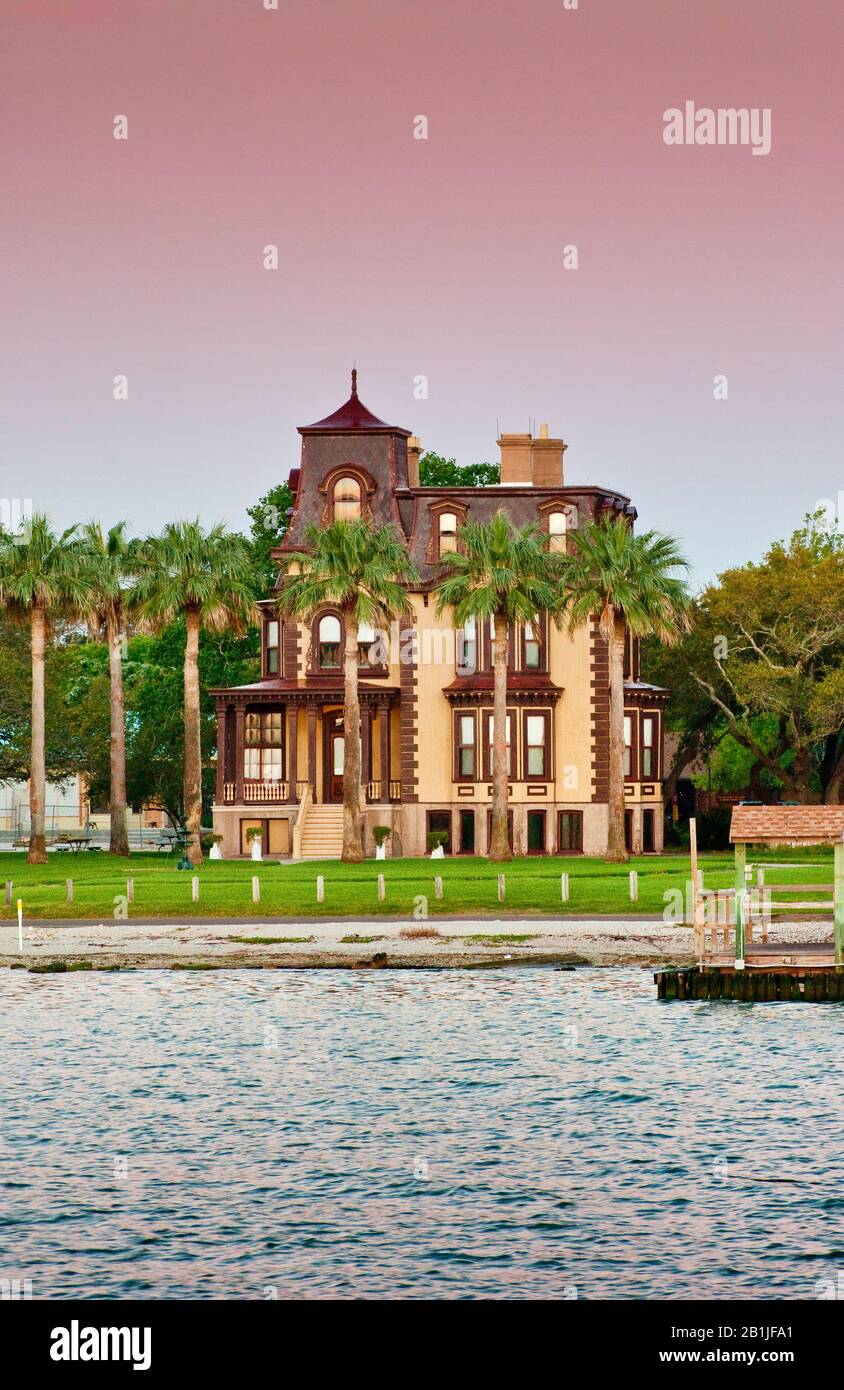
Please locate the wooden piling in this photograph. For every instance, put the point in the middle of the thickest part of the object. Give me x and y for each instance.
(564, 888)
(9, 891)
(256, 889)
(194, 889)
(320, 889)
(381, 888)
(130, 890)
(634, 886)
(501, 888)
(69, 887)
(438, 887)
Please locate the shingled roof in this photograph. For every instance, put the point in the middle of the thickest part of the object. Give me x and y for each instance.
(809, 825)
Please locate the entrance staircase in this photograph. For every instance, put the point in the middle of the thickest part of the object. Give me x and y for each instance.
(322, 832)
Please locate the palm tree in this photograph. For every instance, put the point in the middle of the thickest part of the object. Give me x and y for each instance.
(627, 579)
(363, 572)
(503, 574)
(41, 577)
(108, 563)
(207, 577)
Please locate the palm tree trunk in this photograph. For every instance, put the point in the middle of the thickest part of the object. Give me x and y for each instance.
(499, 846)
(616, 848)
(118, 840)
(38, 771)
(352, 827)
(193, 749)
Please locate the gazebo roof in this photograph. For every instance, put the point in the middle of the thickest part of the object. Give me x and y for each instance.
(776, 825)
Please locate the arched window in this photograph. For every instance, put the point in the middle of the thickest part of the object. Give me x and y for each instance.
(557, 531)
(448, 533)
(346, 499)
(329, 641)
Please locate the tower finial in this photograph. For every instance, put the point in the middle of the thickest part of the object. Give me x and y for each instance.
(354, 381)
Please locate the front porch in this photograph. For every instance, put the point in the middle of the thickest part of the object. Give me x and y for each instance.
(280, 764)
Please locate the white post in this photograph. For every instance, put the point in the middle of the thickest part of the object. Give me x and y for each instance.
(501, 887)
(564, 887)
(256, 889)
(380, 888)
(634, 886)
(130, 890)
(320, 889)
(69, 885)
(20, 924)
(194, 889)
(438, 887)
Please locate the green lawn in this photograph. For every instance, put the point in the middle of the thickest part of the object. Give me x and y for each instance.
(469, 885)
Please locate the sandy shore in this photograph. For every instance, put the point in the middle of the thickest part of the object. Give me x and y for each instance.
(386, 944)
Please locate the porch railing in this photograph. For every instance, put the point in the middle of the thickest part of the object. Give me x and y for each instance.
(265, 791)
(374, 790)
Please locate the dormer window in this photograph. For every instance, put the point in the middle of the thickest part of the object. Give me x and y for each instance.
(271, 647)
(347, 499)
(329, 642)
(448, 533)
(557, 531)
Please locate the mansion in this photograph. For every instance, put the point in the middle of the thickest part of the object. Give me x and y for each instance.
(426, 690)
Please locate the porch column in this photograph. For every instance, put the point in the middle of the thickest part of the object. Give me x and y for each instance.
(292, 753)
(366, 748)
(384, 728)
(222, 729)
(312, 767)
(239, 742)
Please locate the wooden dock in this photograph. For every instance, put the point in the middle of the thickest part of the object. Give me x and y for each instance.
(793, 983)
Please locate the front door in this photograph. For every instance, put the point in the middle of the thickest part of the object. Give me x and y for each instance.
(334, 754)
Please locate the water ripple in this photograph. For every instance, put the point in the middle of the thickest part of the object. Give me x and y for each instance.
(449, 1135)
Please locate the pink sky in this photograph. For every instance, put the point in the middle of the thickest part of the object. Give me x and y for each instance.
(441, 257)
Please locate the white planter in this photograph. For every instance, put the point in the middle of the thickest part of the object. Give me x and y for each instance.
(380, 851)
(438, 853)
(215, 852)
(256, 850)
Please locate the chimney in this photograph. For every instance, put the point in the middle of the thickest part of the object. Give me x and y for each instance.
(531, 462)
(414, 453)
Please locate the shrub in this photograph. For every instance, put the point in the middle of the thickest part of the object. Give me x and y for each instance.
(437, 838)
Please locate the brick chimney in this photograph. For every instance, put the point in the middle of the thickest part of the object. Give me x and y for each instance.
(414, 453)
(532, 462)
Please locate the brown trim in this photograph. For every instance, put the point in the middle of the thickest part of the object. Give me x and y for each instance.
(600, 713)
(408, 682)
(655, 774)
(291, 635)
(435, 509)
(362, 477)
(457, 775)
(633, 716)
(547, 774)
(266, 673)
